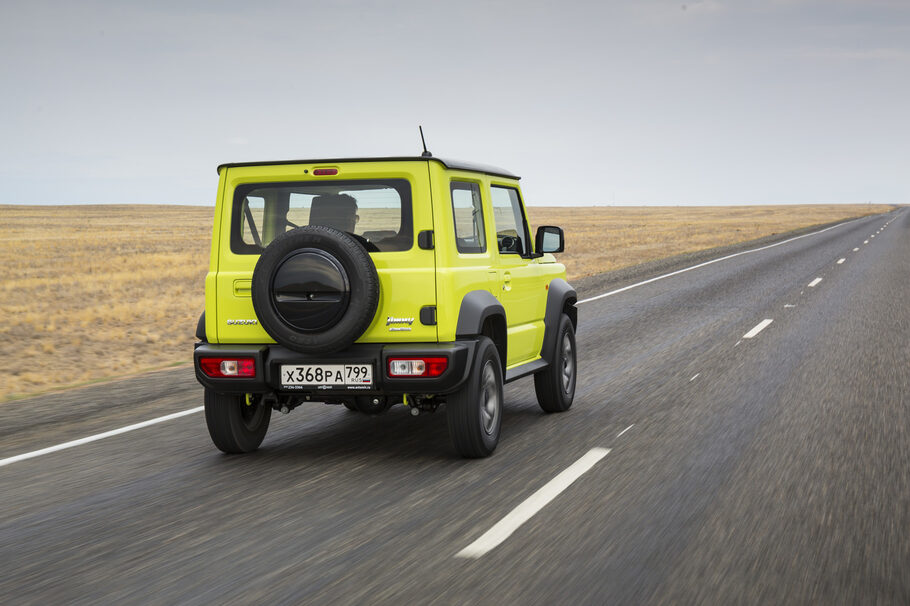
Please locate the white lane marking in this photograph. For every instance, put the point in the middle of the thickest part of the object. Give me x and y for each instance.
(758, 328)
(855, 249)
(685, 269)
(815, 282)
(100, 436)
(839, 261)
(625, 430)
(695, 377)
(788, 305)
(865, 241)
(530, 506)
(872, 236)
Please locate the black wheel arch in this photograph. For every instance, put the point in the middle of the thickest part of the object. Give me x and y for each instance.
(561, 299)
(200, 328)
(482, 314)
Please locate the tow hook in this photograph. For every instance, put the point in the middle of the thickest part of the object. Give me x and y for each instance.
(414, 410)
(421, 403)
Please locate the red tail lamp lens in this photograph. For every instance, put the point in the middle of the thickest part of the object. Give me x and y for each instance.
(325, 171)
(228, 367)
(417, 367)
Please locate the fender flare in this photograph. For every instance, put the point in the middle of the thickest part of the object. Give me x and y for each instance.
(477, 307)
(561, 298)
(200, 328)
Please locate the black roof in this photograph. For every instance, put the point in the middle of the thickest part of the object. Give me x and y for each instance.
(454, 164)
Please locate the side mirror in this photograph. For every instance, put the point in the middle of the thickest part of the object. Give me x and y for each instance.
(549, 239)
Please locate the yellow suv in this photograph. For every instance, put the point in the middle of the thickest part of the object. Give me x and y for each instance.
(376, 281)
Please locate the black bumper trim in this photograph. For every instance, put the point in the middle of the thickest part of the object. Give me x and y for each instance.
(269, 359)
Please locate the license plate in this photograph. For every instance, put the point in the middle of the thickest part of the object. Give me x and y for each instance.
(326, 374)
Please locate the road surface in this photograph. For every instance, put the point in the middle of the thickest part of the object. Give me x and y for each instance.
(740, 434)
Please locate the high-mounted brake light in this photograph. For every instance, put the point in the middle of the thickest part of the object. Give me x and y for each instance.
(228, 367)
(417, 367)
(325, 171)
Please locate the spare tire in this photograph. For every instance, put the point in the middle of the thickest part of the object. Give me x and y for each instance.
(315, 289)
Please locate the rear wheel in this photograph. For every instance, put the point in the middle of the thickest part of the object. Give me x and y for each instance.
(555, 385)
(474, 413)
(235, 425)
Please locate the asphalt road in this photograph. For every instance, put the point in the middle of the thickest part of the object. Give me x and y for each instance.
(771, 469)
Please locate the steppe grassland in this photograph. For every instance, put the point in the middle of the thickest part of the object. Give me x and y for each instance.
(602, 239)
(89, 292)
(95, 291)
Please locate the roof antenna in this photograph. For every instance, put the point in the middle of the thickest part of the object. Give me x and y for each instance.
(425, 153)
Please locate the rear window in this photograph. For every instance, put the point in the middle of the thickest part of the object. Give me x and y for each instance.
(375, 212)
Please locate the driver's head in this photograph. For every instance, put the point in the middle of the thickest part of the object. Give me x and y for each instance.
(334, 210)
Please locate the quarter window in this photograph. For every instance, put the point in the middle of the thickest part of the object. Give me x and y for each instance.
(511, 229)
(467, 210)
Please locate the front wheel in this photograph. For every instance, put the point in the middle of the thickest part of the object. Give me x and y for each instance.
(474, 413)
(235, 424)
(555, 385)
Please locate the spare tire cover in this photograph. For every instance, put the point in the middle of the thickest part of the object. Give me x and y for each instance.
(315, 289)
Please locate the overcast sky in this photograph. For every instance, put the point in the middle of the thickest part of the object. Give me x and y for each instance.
(644, 102)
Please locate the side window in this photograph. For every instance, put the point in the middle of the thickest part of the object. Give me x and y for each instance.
(508, 218)
(468, 213)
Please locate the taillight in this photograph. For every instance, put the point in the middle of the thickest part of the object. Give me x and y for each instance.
(228, 367)
(417, 367)
(325, 171)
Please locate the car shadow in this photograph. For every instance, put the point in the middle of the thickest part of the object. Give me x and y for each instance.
(336, 433)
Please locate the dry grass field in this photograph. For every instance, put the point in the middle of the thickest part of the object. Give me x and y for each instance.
(601, 238)
(90, 292)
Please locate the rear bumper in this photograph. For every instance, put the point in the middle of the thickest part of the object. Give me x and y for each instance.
(269, 358)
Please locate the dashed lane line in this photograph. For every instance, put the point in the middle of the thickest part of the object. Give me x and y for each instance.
(685, 269)
(758, 328)
(503, 529)
(815, 282)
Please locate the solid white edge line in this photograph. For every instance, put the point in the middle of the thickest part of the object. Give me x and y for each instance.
(815, 282)
(758, 328)
(625, 430)
(685, 269)
(530, 506)
(100, 436)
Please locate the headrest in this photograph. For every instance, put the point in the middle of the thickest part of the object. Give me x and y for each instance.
(334, 210)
